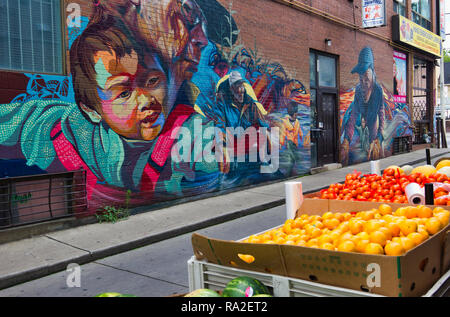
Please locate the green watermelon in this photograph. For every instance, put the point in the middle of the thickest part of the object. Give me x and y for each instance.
(244, 286)
(110, 294)
(113, 294)
(203, 292)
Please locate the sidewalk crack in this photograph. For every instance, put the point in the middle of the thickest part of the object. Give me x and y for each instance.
(68, 244)
(139, 274)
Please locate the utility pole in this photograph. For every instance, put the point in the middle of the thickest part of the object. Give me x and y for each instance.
(442, 76)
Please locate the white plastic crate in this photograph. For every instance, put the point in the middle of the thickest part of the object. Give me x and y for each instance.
(208, 275)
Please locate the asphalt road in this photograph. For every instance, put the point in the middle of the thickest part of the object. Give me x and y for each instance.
(157, 270)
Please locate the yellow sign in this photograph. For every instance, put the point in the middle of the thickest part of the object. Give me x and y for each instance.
(417, 36)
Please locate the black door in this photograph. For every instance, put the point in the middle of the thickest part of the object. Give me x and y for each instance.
(324, 108)
(326, 121)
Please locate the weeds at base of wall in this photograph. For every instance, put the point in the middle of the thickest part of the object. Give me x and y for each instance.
(113, 214)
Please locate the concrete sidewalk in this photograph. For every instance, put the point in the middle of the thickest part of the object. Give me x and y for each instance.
(32, 258)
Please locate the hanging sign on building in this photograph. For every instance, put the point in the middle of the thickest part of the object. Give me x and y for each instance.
(400, 77)
(408, 32)
(442, 18)
(373, 13)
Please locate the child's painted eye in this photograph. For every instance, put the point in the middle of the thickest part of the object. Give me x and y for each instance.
(125, 94)
(152, 82)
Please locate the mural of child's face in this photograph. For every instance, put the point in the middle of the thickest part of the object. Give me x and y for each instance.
(366, 82)
(132, 95)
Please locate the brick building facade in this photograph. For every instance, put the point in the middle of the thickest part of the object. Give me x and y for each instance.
(107, 86)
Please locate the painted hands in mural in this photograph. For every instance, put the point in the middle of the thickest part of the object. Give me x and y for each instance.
(345, 148)
(375, 150)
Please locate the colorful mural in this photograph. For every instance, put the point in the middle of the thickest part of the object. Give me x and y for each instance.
(370, 117)
(179, 111)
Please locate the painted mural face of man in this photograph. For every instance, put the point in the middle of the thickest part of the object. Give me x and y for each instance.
(366, 81)
(132, 95)
(238, 91)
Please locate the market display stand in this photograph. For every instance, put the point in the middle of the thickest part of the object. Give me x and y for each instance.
(203, 274)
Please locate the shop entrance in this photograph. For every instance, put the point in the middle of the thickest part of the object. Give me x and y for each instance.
(421, 103)
(324, 108)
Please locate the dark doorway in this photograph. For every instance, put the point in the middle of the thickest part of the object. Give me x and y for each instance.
(324, 108)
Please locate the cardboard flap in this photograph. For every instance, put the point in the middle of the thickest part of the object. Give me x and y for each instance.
(446, 253)
(421, 267)
(266, 258)
(201, 247)
(368, 273)
(312, 206)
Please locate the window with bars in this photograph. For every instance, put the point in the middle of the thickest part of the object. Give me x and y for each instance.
(31, 36)
(400, 7)
(421, 13)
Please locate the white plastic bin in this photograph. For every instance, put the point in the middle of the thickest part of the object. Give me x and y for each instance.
(208, 275)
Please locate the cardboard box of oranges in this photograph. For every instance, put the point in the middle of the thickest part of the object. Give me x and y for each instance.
(382, 248)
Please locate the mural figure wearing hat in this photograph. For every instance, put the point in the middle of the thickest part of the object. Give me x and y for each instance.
(368, 104)
(238, 104)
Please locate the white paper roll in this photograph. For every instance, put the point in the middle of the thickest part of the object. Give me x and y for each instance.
(415, 194)
(294, 198)
(375, 167)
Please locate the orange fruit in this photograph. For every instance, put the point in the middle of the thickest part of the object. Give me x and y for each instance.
(385, 209)
(372, 225)
(410, 212)
(407, 226)
(339, 216)
(443, 217)
(374, 248)
(301, 243)
(424, 212)
(433, 225)
(394, 228)
(335, 234)
(279, 240)
(400, 211)
(394, 248)
(356, 226)
(318, 224)
(287, 228)
(254, 239)
(438, 209)
(346, 246)
(331, 223)
(269, 242)
(315, 232)
(328, 215)
(378, 237)
(407, 243)
(363, 235)
(387, 232)
(312, 243)
(343, 226)
(347, 216)
(345, 237)
(327, 246)
(416, 237)
(325, 238)
(246, 258)
(361, 245)
(367, 215)
(289, 242)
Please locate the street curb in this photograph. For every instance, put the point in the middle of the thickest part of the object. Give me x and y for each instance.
(36, 273)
